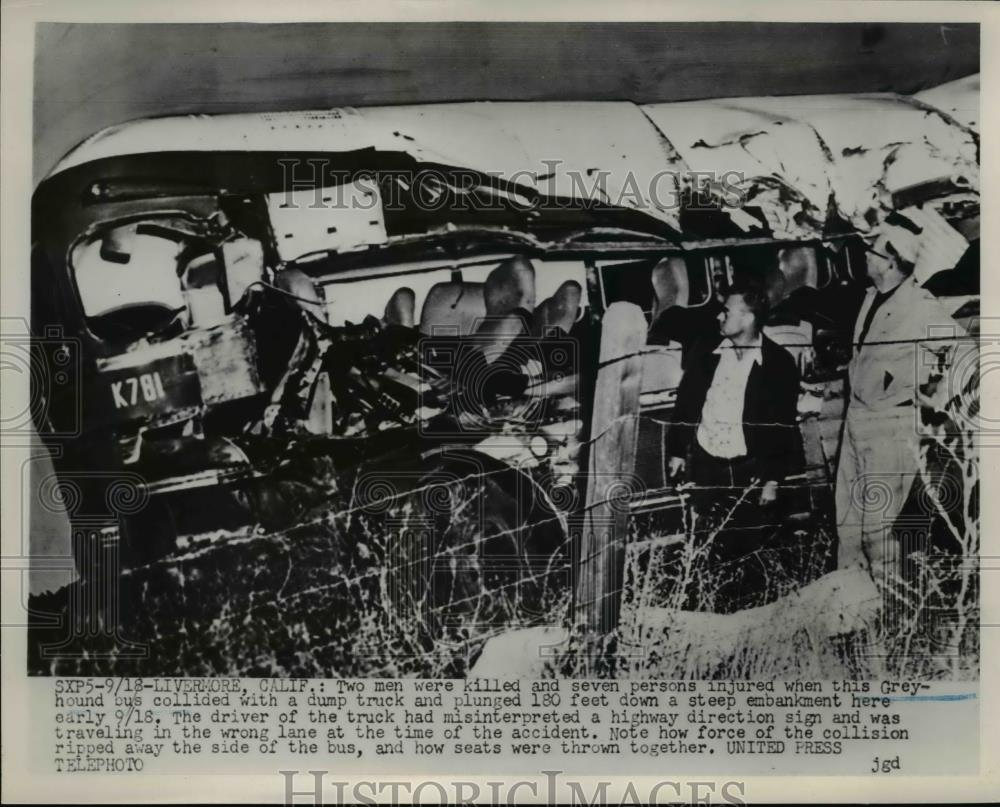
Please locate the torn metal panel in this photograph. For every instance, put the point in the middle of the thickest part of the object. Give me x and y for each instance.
(804, 158)
(600, 151)
(349, 217)
(880, 145)
(777, 164)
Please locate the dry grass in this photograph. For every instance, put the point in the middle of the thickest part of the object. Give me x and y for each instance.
(413, 589)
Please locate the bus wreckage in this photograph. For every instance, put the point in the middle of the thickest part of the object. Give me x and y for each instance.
(396, 320)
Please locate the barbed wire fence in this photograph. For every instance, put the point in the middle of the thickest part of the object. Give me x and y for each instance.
(374, 586)
(413, 579)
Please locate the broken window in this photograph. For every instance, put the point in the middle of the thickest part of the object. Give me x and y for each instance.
(636, 281)
(128, 282)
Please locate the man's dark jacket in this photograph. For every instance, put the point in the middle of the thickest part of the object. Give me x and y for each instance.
(773, 441)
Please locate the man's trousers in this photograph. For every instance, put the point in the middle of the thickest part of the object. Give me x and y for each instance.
(878, 465)
(730, 527)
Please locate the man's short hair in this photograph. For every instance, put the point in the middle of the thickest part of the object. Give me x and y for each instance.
(754, 298)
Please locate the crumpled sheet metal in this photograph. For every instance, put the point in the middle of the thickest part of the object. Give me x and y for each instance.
(808, 155)
(785, 169)
(555, 148)
(804, 158)
(882, 144)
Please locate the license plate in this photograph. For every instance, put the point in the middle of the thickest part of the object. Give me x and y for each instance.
(161, 386)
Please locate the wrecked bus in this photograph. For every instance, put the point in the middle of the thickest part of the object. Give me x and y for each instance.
(240, 319)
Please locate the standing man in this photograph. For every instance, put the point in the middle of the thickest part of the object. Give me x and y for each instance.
(888, 376)
(734, 422)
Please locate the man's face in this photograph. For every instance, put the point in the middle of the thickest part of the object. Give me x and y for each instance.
(878, 258)
(735, 318)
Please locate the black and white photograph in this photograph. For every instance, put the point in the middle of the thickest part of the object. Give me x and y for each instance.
(628, 363)
(468, 393)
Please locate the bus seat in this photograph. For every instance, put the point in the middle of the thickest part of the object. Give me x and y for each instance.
(510, 285)
(401, 307)
(799, 268)
(509, 291)
(670, 284)
(661, 368)
(558, 311)
(453, 309)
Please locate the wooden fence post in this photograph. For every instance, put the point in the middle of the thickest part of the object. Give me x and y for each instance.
(614, 431)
